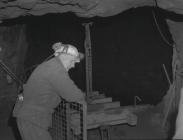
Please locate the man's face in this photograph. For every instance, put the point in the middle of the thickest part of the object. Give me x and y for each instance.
(73, 62)
(70, 61)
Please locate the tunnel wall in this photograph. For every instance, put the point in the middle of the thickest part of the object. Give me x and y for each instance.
(128, 52)
(13, 47)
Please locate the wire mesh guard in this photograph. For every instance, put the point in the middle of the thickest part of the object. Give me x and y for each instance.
(69, 121)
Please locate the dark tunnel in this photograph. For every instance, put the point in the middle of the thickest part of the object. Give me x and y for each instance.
(131, 52)
(128, 51)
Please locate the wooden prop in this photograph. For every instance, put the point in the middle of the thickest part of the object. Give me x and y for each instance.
(88, 60)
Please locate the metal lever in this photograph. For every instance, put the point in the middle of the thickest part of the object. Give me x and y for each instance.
(12, 75)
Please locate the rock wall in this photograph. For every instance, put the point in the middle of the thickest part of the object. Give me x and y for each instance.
(82, 8)
(176, 28)
(13, 47)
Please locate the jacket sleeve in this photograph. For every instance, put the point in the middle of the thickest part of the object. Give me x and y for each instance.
(66, 88)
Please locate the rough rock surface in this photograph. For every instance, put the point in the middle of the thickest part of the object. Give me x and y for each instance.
(82, 8)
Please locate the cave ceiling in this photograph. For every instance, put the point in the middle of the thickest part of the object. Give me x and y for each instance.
(82, 8)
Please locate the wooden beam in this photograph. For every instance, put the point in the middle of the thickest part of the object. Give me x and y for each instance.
(99, 96)
(113, 122)
(102, 106)
(111, 117)
(102, 100)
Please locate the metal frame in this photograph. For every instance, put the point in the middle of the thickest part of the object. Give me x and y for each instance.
(69, 121)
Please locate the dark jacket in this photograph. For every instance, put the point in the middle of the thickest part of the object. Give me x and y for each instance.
(42, 92)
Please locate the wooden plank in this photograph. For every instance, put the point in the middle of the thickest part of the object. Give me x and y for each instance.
(95, 93)
(137, 108)
(113, 122)
(102, 106)
(110, 115)
(100, 96)
(102, 100)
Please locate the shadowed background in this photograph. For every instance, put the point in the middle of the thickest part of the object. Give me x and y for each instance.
(128, 51)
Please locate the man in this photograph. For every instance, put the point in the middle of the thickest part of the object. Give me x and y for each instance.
(42, 92)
